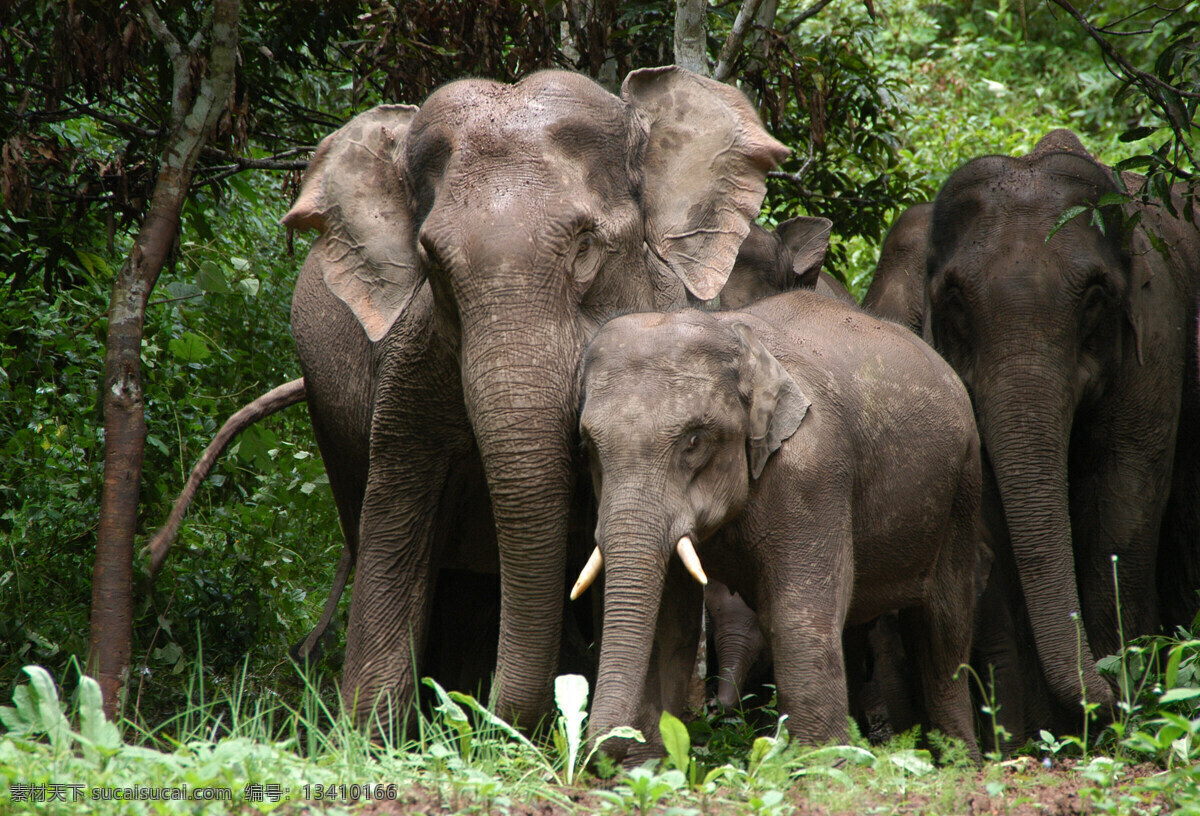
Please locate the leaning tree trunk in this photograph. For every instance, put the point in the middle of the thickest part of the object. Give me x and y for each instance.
(194, 115)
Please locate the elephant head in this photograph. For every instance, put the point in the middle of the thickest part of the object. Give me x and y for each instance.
(770, 262)
(1038, 323)
(681, 412)
(535, 212)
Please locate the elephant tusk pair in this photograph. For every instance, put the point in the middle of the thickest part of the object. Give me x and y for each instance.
(595, 562)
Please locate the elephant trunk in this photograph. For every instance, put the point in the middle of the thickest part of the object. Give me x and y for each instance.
(1028, 443)
(635, 566)
(521, 399)
(738, 639)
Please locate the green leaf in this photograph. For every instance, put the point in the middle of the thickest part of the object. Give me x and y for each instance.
(859, 756)
(916, 762)
(249, 286)
(102, 737)
(244, 188)
(158, 443)
(620, 732)
(1133, 134)
(1177, 695)
(453, 716)
(21, 719)
(210, 278)
(831, 773)
(189, 347)
(1067, 215)
(1135, 162)
(181, 289)
(44, 696)
(446, 706)
(490, 718)
(1172, 672)
(675, 739)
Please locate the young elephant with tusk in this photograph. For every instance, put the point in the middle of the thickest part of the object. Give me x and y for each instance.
(782, 444)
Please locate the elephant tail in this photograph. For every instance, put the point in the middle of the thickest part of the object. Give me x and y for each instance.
(269, 403)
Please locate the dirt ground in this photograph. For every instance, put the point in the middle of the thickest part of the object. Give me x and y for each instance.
(1019, 788)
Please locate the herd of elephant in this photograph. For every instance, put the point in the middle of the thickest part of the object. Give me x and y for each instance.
(541, 336)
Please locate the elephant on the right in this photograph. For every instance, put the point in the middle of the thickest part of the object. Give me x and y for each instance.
(1077, 343)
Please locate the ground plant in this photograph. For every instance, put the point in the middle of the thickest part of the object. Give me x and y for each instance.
(217, 718)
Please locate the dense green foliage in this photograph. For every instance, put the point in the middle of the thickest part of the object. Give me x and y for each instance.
(878, 111)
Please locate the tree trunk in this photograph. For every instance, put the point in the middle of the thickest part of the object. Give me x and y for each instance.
(691, 31)
(195, 117)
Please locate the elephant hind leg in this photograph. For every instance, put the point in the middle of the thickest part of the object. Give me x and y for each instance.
(940, 643)
(940, 630)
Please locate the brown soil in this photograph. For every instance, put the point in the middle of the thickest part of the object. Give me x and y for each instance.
(1022, 787)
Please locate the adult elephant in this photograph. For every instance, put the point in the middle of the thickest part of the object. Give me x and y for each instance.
(466, 252)
(1077, 345)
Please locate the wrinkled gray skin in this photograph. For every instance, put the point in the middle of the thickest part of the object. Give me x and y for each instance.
(897, 290)
(1079, 354)
(466, 252)
(699, 424)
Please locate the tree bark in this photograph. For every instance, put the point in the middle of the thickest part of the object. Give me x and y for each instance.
(737, 35)
(194, 116)
(691, 31)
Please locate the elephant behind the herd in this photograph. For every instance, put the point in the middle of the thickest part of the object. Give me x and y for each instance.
(1079, 351)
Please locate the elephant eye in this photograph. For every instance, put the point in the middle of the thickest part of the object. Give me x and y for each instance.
(589, 253)
(693, 441)
(1093, 306)
(1094, 298)
(954, 311)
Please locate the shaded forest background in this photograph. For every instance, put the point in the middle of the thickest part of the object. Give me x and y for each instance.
(878, 104)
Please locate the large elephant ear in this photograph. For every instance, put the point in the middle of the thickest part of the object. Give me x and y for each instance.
(808, 239)
(777, 405)
(353, 195)
(704, 171)
(1140, 258)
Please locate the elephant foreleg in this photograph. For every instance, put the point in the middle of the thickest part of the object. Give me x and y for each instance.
(419, 430)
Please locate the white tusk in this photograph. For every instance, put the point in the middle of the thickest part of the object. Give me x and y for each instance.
(687, 554)
(590, 570)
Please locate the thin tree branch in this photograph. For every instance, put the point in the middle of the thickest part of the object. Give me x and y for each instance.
(737, 35)
(1112, 53)
(1112, 32)
(811, 11)
(76, 109)
(160, 30)
(274, 162)
(1160, 92)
